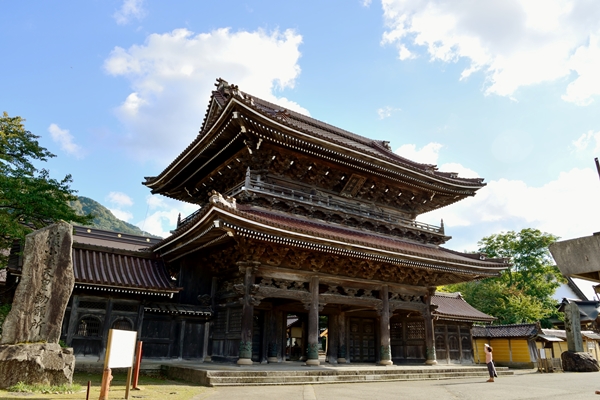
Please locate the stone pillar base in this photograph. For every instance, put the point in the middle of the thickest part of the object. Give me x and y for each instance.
(431, 362)
(313, 362)
(272, 359)
(208, 359)
(386, 362)
(341, 361)
(244, 361)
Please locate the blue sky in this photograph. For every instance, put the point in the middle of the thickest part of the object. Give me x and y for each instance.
(508, 90)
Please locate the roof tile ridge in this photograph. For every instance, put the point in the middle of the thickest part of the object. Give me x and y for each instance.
(353, 241)
(374, 144)
(311, 121)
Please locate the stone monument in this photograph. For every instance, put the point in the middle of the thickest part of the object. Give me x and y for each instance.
(29, 349)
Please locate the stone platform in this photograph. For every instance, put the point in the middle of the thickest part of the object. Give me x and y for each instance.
(297, 373)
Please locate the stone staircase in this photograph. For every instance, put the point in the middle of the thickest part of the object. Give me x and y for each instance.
(247, 377)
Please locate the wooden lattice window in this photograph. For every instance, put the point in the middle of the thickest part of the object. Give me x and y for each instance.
(125, 307)
(96, 305)
(123, 324)
(88, 326)
(416, 330)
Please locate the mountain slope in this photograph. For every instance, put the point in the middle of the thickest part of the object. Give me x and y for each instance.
(104, 219)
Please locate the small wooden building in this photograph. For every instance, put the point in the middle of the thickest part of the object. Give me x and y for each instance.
(555, 342)
(514, 345)
(453, 320)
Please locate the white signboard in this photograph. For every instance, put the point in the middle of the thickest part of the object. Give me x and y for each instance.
(121, 348)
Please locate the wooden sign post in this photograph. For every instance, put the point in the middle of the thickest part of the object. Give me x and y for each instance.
(119, 354)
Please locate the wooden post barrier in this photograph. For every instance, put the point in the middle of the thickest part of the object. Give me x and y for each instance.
(138, 362)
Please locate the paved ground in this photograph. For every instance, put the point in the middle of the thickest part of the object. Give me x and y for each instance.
(523, 385)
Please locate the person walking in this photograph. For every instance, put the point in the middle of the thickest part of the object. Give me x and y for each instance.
(489, 361)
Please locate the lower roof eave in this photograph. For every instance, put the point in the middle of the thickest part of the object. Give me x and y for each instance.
(130, 290)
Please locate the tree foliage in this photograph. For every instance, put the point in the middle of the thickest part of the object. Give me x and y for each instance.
(523, 292)
(29, 198)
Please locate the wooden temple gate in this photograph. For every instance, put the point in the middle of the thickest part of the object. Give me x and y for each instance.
(300, 217)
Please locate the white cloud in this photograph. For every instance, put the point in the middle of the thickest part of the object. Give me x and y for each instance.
(123, 215)
(164, 216)
(120, 199)
(173, 74)
(130, 9)
(428, 154)
(366, 3)
(566, 207)
(514, 43)
(387, 111)
(65, 140)
(587, 140)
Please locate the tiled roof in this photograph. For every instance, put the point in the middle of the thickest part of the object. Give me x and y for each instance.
(357, 236)
(588, 310)
(96, 266)
(451, 306)
(562, 334)
(110, 269)
(349, 139)
(505, 331)
(338, 236)
(321, 130)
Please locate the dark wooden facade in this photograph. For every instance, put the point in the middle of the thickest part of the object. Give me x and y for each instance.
(300, 218)
(119, 284)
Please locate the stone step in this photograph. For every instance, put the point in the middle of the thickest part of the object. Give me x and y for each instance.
(297, 378)
(309, 380)
(258, 375)
(324, 372)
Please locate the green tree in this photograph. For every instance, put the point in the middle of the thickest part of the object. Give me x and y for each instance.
(29, 198)
(523, 292)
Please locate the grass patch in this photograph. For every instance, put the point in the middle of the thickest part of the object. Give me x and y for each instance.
(53, 389)
(152, 388)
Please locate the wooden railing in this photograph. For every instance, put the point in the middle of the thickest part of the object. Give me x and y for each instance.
(311, 198)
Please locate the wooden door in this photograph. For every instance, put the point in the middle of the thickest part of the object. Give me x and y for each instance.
(362, 340)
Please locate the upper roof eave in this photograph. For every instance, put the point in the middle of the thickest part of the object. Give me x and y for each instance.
(388, 158)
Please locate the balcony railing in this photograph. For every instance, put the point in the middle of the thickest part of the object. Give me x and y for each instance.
(311, 198)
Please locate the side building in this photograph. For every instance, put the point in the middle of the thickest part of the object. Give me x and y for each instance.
(300, 219)
(119, 284)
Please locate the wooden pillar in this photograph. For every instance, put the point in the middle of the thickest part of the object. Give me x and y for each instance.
(573, 327)
(209, 324)
(205, 356)
(342, 349)
(273, 333)
(313, 323)
(106, 327)
(333, 338)
(73, 321)
(385, 351)
(429, 336)
(139, 320)
(247, 316)
(181, 338)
